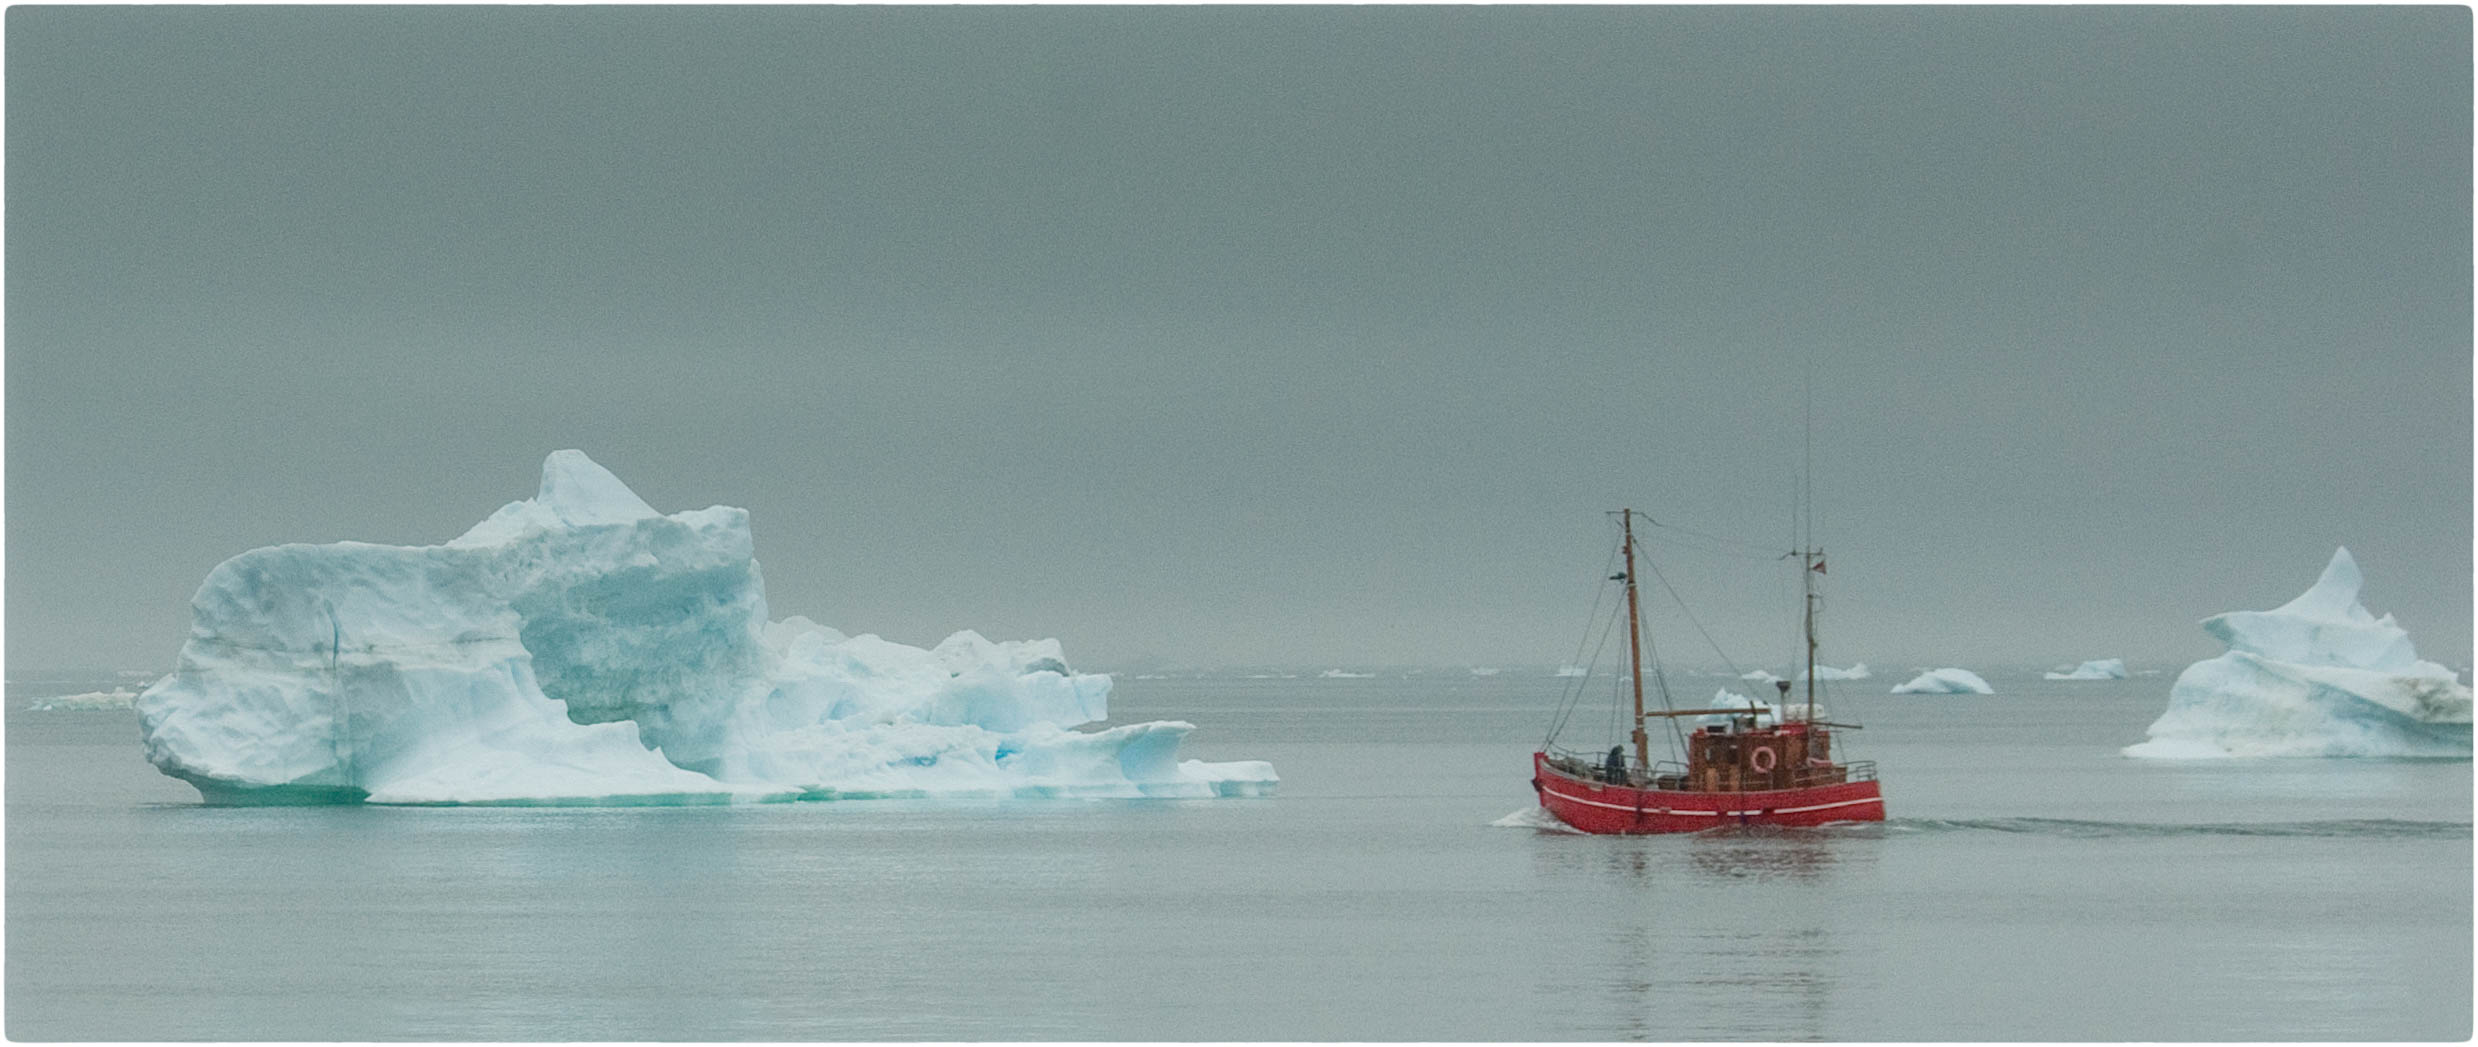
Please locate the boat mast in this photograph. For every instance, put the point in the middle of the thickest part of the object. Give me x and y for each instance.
(1634, 642)
(1806, 572)
(1806, 507)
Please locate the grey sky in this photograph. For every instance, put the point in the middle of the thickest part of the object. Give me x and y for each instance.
(1263, 335)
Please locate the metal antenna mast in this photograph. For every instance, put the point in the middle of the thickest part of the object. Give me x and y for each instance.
(1807, 557)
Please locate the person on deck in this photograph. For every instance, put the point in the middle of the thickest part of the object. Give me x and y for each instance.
(1615, 769)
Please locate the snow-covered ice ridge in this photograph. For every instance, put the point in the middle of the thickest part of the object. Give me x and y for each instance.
(580, 647)
(2319, 676)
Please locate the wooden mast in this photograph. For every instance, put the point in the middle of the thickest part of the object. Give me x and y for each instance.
(1634, 643)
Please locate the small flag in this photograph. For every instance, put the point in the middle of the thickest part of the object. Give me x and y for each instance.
(1819, 565)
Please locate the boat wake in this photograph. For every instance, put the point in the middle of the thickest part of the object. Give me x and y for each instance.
(2066, 828)
(2352, 828)
(1536, 818)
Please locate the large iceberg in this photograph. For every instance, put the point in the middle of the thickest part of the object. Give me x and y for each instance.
(2095, 669)
(580, 647)
(2319, 676)
(1945, 681)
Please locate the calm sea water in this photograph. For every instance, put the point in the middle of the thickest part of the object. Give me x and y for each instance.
(2031, 885)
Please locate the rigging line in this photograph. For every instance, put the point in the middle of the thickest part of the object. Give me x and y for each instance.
(1558, 722)
(1566, 691)
(1615, 705)
(1700, 534)
(1806, 485)
(1798, 610)
(1583, 682)
(1598, 595)
(1617, 691)
(1791, 620)
(1690, 614)
(1570, 694)
(1740, 551)
(1649, 645)
(1660, 682)
(1568, 703)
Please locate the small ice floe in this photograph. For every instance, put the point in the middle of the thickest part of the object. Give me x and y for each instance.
(2096, 669)
(113, 699)
(1945, 681)
(1822, 672)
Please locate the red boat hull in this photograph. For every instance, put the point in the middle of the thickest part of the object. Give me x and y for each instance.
(1599, 807)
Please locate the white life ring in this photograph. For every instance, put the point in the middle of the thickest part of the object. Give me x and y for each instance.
(1762, 759)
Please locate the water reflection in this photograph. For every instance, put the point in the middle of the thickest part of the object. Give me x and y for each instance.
(1728, 934)
(1765, 854)
(463, 924)
(1717, 856)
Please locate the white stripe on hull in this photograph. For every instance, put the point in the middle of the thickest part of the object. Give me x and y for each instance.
(1711, 814)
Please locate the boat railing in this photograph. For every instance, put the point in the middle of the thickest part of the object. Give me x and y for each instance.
(1589, 767)
(1671, 774)
(1594, 767)
(1833, 774)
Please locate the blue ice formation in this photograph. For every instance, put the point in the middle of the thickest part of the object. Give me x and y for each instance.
(580, 647)
(2318, 676)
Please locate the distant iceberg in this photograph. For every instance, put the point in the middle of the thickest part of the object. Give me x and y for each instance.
(1822, 672)
(1729, 699)
(1945, 681)
(579, 647)
(1338, 674)
(2099, 669)
(1571, 671)
(2319, 676)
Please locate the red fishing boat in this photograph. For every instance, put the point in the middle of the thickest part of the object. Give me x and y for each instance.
(1747, 765)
